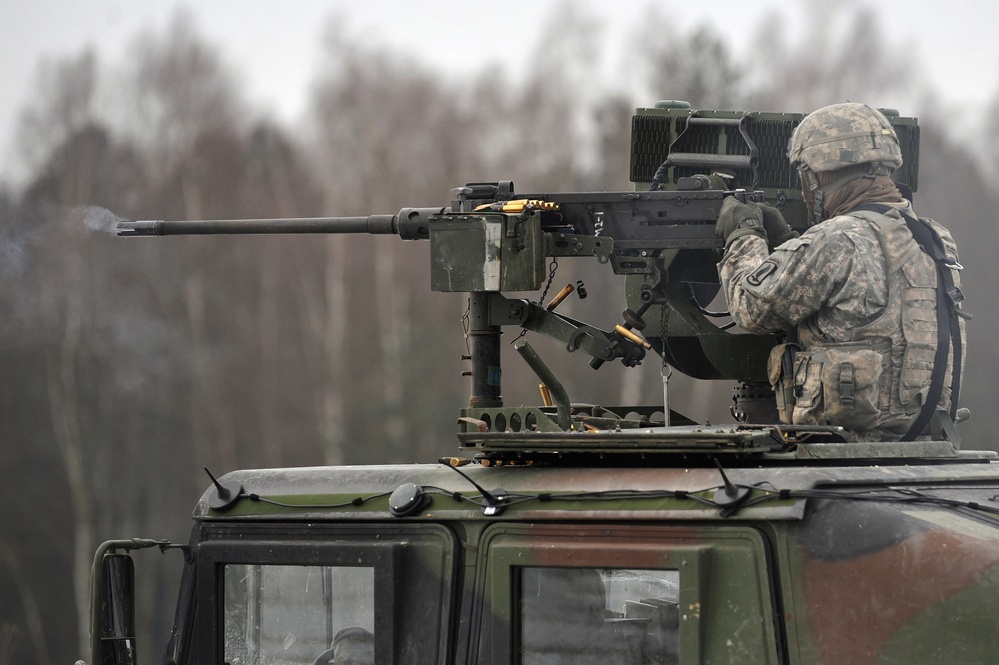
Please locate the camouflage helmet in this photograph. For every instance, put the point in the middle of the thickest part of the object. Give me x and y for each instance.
(844, 135)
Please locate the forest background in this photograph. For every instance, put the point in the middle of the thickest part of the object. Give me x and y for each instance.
(130, 365)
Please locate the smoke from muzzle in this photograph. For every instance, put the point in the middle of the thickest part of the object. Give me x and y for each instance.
(96, 218)
(27, 227)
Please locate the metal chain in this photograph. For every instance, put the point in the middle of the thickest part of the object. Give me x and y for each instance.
(465, 324)
(552, 267)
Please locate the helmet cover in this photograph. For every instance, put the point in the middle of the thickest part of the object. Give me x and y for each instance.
(843, 135)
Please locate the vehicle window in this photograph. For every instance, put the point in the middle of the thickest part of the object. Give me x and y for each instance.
(284, 615)
(305, 594)
(598, 615)
(627, 594)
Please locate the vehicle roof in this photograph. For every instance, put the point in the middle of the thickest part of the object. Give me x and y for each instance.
(651, 492)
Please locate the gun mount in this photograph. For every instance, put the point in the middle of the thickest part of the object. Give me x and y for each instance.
(492, 241)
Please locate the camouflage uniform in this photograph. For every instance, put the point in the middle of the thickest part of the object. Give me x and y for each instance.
(832, 283)
(862, 295)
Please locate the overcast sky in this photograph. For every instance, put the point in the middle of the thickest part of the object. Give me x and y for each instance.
(274, 44)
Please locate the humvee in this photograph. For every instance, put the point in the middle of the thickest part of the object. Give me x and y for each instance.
(569, 533)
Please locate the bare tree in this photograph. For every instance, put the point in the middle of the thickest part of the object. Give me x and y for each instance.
(62, 113)
(181, 90)
(843, 54)
(387, 136)
(62, 105)
(188, 120)
(696, 67)
(10, 634)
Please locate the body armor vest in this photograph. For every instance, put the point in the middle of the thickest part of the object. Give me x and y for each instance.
(875, 383)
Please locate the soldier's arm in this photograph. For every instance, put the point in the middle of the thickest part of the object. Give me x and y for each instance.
(767, 292)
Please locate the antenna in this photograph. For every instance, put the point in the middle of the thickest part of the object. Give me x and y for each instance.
(496, 500)
(225, 494)
(730, 497)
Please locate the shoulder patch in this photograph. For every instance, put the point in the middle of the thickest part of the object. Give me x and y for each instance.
(765, 269)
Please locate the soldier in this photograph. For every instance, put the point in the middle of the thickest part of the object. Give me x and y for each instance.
(874, 312)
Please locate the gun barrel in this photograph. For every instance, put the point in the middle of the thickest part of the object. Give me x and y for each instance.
(410, 224)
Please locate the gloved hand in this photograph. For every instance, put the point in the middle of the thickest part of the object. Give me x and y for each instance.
(739, 219)
(778, 230)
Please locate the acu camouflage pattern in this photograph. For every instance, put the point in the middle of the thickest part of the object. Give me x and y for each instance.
(843, 135)
(863, 298)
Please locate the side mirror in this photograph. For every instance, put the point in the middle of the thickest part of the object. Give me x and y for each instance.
(117, 615)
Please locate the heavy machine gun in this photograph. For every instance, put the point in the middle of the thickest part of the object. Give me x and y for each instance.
(492, 241)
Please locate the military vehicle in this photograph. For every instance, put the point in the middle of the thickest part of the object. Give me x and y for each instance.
(570, 533)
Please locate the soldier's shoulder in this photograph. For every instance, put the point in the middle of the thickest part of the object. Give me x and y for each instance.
(840, 229)
(847, 222)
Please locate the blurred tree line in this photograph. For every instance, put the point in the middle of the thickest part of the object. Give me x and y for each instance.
(129, 365)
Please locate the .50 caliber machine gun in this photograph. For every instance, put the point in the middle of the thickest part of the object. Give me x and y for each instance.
(492, 241)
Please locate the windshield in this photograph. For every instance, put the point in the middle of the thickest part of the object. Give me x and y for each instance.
(311, 594)
(284, 615)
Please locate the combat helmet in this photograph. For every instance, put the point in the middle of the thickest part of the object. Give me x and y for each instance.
(841, 137)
